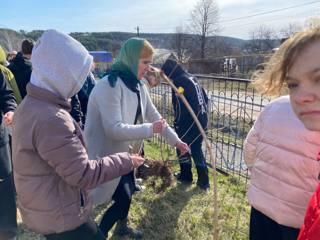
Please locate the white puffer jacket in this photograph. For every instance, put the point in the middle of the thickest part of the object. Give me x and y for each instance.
(281, 154)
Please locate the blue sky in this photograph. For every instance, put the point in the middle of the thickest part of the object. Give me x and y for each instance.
(149, 15)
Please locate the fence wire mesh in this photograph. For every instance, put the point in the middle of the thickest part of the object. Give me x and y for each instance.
(233, 107)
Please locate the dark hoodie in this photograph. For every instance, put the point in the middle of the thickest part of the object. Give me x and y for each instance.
(194, 94)
(21, 69)
(7, 103)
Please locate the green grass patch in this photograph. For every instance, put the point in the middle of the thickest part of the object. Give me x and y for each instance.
(182, 211)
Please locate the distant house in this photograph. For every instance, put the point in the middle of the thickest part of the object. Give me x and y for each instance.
(161, 56)
(101, 56)
(103, 60)
(230, 65)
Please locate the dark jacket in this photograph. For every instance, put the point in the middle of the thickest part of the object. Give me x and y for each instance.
(8, 222)
(195, 95)
(84, 93)
(21, 69)
(79, 102)
(7, 103)
(76, 111)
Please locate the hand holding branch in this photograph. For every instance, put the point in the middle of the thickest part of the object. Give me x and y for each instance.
(137, 160)
(159, 125)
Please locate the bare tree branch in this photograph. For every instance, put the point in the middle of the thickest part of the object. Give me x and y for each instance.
(289, 30)
(204, 22)
(181, 44)
(313, 22)
(263, 39)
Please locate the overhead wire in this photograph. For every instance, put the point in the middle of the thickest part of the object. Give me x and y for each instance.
(250, 16)
(269, 12)
(283, 17)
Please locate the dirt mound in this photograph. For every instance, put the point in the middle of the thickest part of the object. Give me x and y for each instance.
(156, 169)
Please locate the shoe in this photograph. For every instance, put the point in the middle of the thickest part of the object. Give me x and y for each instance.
(122, 229)
(181, 179)
(203, 186)
(138, 180)
(138, 188)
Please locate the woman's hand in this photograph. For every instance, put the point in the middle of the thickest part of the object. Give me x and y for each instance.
(183, 148)
(137, 160)
(159, 126)
(8, 117)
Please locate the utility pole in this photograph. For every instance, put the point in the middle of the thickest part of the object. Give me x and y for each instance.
(138, 33)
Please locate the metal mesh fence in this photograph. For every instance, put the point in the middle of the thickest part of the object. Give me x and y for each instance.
(233, 107)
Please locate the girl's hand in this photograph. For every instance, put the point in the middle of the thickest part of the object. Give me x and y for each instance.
(8, 117)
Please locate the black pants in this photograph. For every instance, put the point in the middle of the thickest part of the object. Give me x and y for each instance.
(8, 210)
(87, 231)
(264, 228)
(122, 200)
(199, 160)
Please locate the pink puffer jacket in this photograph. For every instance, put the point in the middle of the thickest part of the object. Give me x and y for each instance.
(281, 154)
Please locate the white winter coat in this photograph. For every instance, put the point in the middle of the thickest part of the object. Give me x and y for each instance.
(110, 125)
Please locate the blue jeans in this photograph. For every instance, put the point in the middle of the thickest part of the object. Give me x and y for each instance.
(199, 161)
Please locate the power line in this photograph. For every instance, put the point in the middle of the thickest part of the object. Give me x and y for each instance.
(138, 30)
(283, 17)
(268, 12)
(244, 17)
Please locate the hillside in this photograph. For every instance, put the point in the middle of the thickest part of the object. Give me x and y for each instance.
(103, 40)
(10, 39)
(110, 41)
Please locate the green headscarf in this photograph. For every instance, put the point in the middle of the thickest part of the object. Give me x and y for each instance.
(126, 64)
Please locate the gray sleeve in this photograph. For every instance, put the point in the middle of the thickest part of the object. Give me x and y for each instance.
(152, 115)
(108, 102)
